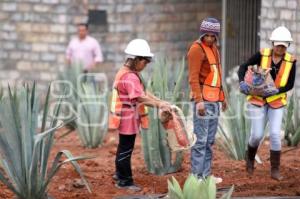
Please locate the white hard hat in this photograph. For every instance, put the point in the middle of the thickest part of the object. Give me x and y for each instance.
(138, 47)
(281, 33)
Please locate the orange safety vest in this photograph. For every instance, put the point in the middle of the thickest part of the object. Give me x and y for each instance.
(278, 100)
(117, 105)
(212, 87)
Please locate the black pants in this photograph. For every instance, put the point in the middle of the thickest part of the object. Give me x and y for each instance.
(123, 159)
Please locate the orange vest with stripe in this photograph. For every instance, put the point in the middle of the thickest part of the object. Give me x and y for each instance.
(212, 86)
(117, 105)
(278, 100)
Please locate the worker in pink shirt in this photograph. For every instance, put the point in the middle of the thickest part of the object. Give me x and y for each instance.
(129, 108)
(84, 50)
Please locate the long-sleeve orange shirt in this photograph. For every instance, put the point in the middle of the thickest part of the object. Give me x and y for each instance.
(199, 68)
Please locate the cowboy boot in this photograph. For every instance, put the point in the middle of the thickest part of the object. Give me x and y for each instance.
(250, 159)
(275, 164)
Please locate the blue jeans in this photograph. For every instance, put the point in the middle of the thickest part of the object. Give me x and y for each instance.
(205, 128)
(259, 116)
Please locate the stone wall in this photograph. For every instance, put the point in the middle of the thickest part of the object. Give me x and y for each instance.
(35, 33)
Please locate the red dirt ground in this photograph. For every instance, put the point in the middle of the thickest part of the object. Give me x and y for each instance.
(99, 173)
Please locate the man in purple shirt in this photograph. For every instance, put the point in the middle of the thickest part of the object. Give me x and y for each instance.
(84, 50)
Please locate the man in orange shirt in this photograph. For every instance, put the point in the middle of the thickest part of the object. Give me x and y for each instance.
(205, 81)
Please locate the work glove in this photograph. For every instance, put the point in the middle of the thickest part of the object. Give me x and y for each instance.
(244, 88)
(270, 91)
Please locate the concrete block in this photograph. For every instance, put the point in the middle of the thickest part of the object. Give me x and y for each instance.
(31, 56)
(8, 45)
(40, 47)
(23, 46)
(3, 55)
(16, 17)
(58, 29)
(24, 27)
(292, 4)
(9, 36)
(40, 27)
(4, 16)
(24, 7)
(57, 48)
(15, 55)
(40, 66)
(50, 1)
(287, 14)
(267, 3)
(48, 57)
(41, 8)
(9, 7)
(61, 9)
(280, 3)
(8, 27)
(24, 66)
(124, 8)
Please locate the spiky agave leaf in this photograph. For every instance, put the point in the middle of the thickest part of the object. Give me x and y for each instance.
(195, 189)
(165, 85)
(292, 124)
(234, 127)
(91, 111)
(24, 150)
(191, 188)
(174, 189)
(228, 194)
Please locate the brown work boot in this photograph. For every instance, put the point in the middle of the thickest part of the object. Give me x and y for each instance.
(275, 164)
(250, 159)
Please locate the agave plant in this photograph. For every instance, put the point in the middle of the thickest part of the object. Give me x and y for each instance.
(69, 82)
(195, 189)
(87, 104)
(92, 115)
(157, 154)
(234, 127)
(292, 121)
(25, 147)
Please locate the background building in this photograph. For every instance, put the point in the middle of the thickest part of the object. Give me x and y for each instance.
(34, 33)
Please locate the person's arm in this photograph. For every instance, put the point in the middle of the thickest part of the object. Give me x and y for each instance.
(254, 60)
(152, 96)
(291, 80)
(195, 58)
(148, 100)
(98, 56)
(69, 53)
(135, 91)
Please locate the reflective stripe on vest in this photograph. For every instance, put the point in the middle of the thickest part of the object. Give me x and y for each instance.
(117, 105)
(265, 59)
(211, 90)
(284, 71)
(279, 100)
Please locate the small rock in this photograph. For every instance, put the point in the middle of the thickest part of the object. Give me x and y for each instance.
(78, 183)
(61, 187)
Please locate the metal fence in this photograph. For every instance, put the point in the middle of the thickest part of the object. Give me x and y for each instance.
(242, 27)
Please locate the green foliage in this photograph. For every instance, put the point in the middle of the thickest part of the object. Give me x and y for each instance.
(93, 116)
(87, 104)
(157, 154)
(25, 147)
(195, 189)
(234, 127)
(292, 121)
(69, 84)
